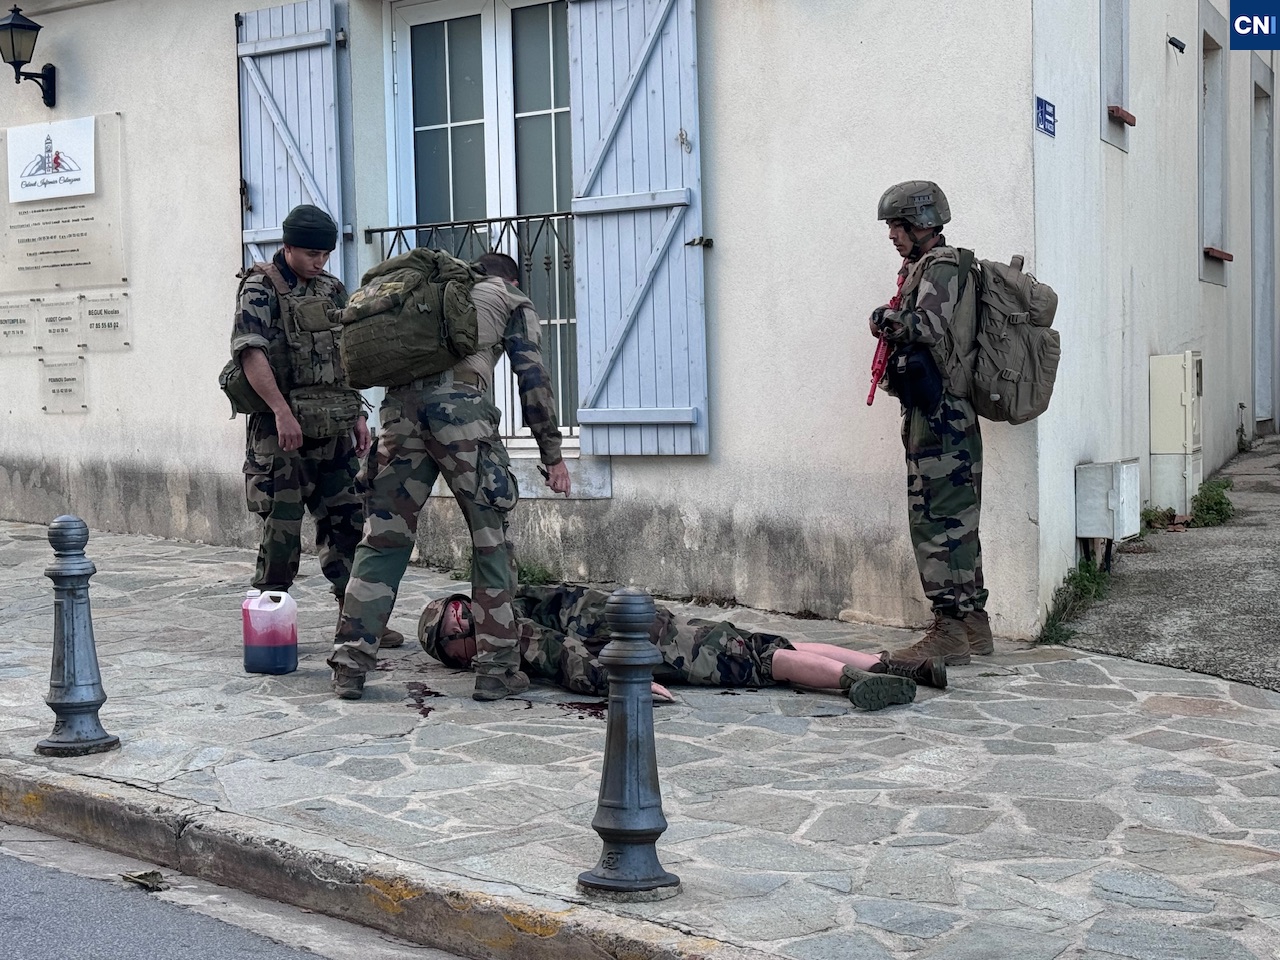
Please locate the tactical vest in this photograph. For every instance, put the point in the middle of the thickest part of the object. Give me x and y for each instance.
(310, 370)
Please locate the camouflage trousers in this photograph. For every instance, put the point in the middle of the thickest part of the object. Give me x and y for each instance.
(451, 432)
(944, 500)
(281, 487)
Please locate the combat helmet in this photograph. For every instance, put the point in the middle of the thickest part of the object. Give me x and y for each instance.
(429, 624)
(919, 202)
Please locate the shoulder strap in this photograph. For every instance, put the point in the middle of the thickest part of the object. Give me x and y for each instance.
(966, 264)
(272, 273)
(268, 270)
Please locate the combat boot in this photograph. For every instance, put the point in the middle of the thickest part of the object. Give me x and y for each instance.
(496, 686)
(875, 691)
(347, 683)
(978, 626)
(927, 673)
(946, 637)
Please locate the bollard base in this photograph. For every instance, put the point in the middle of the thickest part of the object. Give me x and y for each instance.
(610, 895)
(628, 869)
(60, 748)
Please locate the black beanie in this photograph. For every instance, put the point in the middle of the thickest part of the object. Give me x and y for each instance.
(310, 228)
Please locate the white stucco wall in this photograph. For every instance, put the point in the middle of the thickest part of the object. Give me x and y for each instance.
(1117, 235)
(809, 111)
(156, 451)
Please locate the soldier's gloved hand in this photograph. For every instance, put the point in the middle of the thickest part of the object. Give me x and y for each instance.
(288, 430)
(877, 321)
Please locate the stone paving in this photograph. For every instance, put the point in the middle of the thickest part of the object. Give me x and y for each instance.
(1203, 599)
(1050, 804)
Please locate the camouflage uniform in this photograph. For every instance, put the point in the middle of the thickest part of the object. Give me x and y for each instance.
(943, 446)
(445, 426)
(319, 476)
(562, 629)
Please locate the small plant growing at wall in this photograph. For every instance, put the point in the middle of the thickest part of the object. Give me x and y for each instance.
(1080, 588)
(463, 571)
(1156, 518)
(535, 573)
(1211, 507)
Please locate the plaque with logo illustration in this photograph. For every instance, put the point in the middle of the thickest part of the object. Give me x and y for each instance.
(60, 224)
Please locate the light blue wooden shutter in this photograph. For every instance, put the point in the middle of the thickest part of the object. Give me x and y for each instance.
(642, 366)
(289, 148)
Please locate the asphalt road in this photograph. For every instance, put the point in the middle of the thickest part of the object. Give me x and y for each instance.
(62, 900)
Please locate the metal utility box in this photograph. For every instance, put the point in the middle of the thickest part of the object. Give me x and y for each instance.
(1177, 465)
(1177, 384)
(1108, 500)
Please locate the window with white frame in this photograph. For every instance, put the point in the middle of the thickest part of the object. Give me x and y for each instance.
(577, 124)
(483, 148)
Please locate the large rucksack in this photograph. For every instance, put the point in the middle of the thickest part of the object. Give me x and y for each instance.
(1016, 350)
(412, 317)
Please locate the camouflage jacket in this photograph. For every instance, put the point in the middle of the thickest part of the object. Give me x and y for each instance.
(929, 293)
(932, 314)
(507, 323)
(562, 629)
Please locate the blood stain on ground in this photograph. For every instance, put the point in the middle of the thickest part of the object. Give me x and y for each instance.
(586, 708)
(419, 693)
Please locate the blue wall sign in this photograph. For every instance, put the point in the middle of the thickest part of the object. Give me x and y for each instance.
(1046, 118)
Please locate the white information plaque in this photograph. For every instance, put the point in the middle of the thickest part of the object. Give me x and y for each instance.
(62, 386)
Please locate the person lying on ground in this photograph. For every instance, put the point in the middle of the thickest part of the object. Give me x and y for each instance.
(562, 629)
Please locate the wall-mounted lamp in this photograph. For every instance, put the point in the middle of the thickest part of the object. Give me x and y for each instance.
(17, 43)
(1177, 45)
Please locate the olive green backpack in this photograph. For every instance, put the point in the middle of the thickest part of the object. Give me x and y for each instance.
(1015, 350)
(412, 317)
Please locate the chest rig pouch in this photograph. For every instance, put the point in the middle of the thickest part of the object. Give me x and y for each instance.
(318, 394)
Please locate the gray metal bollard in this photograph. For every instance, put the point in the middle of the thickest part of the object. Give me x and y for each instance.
(75, 685)
(629, 813)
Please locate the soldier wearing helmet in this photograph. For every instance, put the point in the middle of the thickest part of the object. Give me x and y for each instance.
(929, 327)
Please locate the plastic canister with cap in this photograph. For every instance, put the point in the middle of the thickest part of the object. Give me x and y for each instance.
(270, 623)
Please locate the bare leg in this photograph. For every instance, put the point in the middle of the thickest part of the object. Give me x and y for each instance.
(807, 669)
(863, 661)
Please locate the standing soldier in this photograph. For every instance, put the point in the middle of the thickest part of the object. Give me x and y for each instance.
(445, 425)
(930, 327)
(307, 428)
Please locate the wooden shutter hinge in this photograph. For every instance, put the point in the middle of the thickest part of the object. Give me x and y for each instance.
(700, 242)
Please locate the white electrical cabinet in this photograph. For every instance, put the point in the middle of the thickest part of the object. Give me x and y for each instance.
(1177, 465)
(1108, 500)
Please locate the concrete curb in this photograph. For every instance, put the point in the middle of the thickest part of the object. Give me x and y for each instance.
(473, 918)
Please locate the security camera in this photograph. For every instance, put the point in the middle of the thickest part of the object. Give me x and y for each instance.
(1177, 45)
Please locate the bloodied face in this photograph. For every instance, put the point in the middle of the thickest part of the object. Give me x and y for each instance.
(458, 632)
